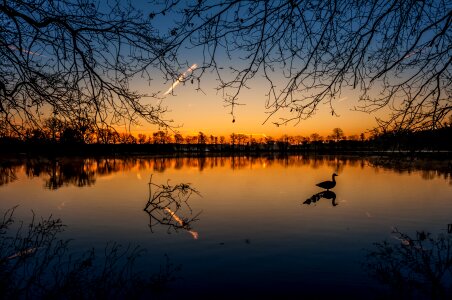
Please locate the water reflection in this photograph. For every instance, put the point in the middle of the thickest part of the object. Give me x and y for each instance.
(429, 168)
(7, 173)
(324, 194)
(58, 173)
(244, 199)
(414, 267)
(168, 206)
(81, 172)
(36, 262)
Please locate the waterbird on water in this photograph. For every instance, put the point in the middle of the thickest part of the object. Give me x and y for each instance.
(328, 184)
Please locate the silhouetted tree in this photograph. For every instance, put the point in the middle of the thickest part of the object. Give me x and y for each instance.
(191, 139)
(362, 137)
(76, 58)
(55, 127)
(127, 138)
(338, 134)
(353, 137)
(202, 138)
(107, 136)
(316, 137)
(397, 53)
(36, 136)
(242, 138)
(269, 140)
(233, 139)
(161, 137)
(178, 138)
(141, 138)
(71, 136)
(298, 140)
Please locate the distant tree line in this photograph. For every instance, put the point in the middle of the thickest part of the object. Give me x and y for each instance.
(54, 131)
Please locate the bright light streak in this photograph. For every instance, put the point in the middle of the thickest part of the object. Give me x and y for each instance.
(194, 234)
(342, 99)
(403, 241)
(22, 253)
(181, 77)
(25, 51)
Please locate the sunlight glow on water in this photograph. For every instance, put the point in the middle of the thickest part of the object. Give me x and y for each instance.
(252, 230)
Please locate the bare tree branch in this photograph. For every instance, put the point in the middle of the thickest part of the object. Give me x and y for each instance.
(396, 54)
(76, 58)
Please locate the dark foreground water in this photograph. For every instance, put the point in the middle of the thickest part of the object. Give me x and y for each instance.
(259, 228)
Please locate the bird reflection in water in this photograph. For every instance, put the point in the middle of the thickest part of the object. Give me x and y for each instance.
(324, 194)
(168, 206)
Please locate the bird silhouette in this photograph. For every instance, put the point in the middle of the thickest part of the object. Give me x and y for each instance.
(328, 184)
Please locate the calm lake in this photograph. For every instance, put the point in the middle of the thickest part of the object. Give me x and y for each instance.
(258, 226)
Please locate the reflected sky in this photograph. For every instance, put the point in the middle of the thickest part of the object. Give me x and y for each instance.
(252, 229)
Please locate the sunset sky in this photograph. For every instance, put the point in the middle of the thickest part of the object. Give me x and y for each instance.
(205, 110)
(278, 65)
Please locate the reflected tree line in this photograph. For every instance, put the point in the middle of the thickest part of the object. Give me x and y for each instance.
(82, 172)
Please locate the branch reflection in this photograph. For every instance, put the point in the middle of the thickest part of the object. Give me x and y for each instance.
(168, 206)
(330, 195)
(418, 267)
(7, 173)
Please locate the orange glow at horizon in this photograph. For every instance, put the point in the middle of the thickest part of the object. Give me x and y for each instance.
(202, 109)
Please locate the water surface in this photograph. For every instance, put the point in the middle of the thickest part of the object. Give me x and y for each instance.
(259, 228)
